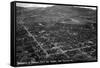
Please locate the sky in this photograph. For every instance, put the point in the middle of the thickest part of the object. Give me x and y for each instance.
(42, 5)
(32, 5)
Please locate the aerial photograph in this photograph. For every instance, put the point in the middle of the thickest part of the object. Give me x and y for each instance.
(51, 33)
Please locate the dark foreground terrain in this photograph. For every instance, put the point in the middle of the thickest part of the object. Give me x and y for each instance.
(56, 34)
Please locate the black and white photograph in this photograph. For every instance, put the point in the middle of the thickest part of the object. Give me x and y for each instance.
(47, 33)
